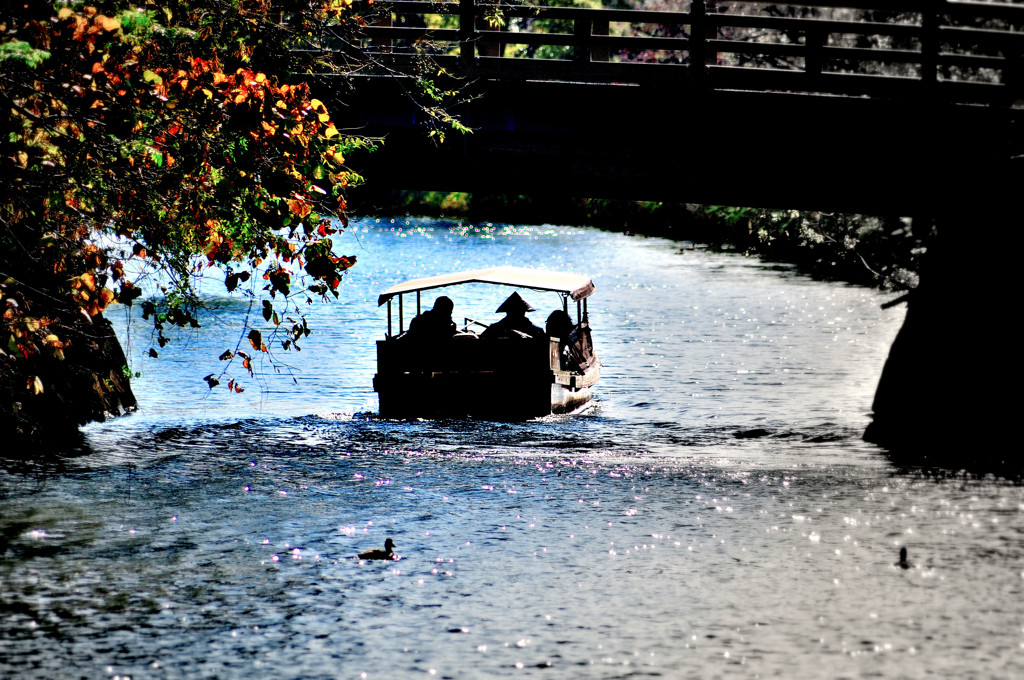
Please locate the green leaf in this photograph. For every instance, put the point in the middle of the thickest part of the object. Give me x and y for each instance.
(21, 51)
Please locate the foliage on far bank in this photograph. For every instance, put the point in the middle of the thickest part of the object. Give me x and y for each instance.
(871, 250)
(879, 251)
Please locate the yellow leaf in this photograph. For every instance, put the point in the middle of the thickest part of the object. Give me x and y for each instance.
(36, 385)
(320, 109)
(64, 13)
(331, 131)
(56, 347)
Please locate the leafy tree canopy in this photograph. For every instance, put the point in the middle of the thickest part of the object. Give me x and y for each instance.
(183, 132)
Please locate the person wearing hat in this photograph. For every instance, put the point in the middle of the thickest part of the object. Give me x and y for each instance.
(515, 323)
(436, 323)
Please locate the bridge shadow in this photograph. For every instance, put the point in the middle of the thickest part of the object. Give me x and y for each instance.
(933, 462)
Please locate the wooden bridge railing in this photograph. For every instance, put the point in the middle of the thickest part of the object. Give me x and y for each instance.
(949, 50)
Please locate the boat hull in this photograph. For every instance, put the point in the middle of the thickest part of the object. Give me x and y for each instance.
(487, 379)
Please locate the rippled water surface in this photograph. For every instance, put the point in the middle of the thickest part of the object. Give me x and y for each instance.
(714, 514)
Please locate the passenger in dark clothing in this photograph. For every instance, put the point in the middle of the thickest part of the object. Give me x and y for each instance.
(435, 323)
(559, 325)
(515, 309)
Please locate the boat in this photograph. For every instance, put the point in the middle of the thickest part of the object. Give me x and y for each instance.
(471, 375)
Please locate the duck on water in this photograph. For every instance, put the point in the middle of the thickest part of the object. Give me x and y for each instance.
(388, 553)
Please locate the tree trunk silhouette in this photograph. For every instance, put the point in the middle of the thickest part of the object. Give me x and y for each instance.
(945, 393)
(45, 397)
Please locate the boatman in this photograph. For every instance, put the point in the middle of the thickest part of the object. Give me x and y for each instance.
(515, 324)
(436, 323)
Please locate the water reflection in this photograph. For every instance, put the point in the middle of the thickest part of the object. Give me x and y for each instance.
(714, 514)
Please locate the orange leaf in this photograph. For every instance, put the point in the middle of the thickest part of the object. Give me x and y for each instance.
(86, 280)
(299, 207)
(107, 23)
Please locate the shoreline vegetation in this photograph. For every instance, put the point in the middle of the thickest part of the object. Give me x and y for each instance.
(869, 250)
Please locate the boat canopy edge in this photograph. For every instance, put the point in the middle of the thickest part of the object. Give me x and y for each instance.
(577, 286)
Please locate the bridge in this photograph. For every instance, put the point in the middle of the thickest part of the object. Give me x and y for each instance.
(871, 106)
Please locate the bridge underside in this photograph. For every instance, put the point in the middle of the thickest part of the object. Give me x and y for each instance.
(941, 391)
(667, 143)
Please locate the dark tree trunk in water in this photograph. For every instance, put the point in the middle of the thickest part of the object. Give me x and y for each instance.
(45, 398)
(951, 379)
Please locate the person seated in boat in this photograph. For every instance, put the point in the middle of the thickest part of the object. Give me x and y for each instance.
(435, 324)
(559, 326)
(515, 324)
(574, 345)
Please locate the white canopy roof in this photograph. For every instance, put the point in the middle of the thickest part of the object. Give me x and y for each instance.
(577, 286)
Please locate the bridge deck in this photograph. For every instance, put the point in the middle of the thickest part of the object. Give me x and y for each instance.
(824, 125)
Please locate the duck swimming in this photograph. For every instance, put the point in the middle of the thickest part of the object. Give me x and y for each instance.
(377, 554)
(903, 563)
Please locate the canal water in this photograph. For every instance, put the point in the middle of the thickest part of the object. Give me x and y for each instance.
(714, 514)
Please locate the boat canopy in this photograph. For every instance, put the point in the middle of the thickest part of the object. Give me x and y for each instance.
(575, 286)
